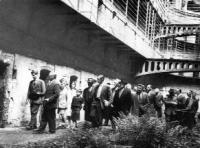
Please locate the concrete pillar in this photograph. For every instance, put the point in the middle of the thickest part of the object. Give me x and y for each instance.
(155, 65)
(167, 66)
(149, 66)
(173, 65)
(143, 67)
(179, 66)
(186, 65)
(191, 66)
(161, 66)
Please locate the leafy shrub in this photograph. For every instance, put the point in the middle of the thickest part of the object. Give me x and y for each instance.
(147, 131)
(141, 132)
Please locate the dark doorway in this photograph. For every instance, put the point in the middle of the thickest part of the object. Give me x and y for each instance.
(3, 67)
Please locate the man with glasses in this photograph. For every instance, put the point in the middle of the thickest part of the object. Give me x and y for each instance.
(36, 92)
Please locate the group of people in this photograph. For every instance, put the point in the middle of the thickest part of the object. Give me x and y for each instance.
(52, 95)
(102, 102)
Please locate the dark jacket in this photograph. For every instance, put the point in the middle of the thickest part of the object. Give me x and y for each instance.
(36, 89)
(106, 94)
(52, 93)
(77, 102)
(87, 96)
(140, 103)
(122, 103)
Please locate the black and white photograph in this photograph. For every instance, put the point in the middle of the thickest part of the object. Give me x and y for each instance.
(99, 73)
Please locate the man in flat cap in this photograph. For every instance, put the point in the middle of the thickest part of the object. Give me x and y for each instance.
(36, 91)
(87, 96)
(50, 104)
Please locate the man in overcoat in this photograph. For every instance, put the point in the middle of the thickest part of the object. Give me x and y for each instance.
(139, 101)
(35, 95)
(87, 96)
(122, 100)
(101, 99)
(50, 105)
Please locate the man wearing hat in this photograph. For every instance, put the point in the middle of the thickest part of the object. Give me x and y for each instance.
(87, 96)
(36, 91)
(50, 104)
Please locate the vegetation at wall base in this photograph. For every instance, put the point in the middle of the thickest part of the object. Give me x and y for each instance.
(147, 131)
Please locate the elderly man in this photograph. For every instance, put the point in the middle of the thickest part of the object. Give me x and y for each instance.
(101, 98)
(36, 91)
(139, 101)
(50, 105)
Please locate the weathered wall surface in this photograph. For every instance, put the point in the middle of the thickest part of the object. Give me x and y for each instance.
(42, 33)
(18, 108)
(43, 29)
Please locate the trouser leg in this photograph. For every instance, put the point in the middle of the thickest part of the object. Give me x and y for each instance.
(34, 110)
(44, 120)
(62, 115)
(159, 112)
(52, 120)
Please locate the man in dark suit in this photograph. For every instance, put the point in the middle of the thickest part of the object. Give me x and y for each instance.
(35, 95)
(101, 99)
(122, 100)
(87, 96)
(50, 105)
(139, 101)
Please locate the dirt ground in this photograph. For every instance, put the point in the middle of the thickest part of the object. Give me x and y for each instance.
(20, 137)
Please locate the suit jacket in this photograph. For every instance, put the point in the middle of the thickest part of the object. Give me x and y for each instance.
(52, 93)
(87, 96)
(158, 101)
(122, 103)
(139, 102)
(35, 87)
(106, 94)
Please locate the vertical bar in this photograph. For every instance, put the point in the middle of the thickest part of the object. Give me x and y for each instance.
(147, 16)
(159, 37)
(138, 10)
(149, 21)
(78, 5)
(126, 13)
(152, 26)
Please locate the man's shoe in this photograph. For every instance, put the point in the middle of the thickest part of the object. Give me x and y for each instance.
(31, 127)
(52, 132)
(34, 127)
(38, 131)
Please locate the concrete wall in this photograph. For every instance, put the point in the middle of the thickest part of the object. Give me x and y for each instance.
(103, 17)
(19, 111)
(40, 33)
(42, 29)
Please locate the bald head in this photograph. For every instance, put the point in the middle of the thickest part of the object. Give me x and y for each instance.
(149, 87)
